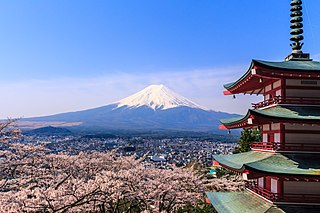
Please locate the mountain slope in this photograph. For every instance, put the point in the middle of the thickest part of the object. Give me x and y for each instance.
(154, 108)
(49, 130)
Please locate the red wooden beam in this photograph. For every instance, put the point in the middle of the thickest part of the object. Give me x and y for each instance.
(227, 92)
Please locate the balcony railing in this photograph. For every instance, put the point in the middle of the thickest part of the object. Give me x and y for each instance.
(271, 146)
(263, 145)
(287, 100)
(298, 198)
(310, 147)
(268, 102)
(287, 197)
(261, 191)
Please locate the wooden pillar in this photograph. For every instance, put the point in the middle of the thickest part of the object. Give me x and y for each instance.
(282, 136)
(280, 188)
(283, 89)
(268, 183)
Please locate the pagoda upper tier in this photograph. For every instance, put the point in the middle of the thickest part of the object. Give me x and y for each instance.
(263, 73)
(308, 114)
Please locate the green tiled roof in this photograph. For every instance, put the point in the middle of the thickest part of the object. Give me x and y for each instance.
(239, 202)
(246, 202)
(290, 112)
(229, 85)
(234, 119)
(293, 164)
(237, 161)
(300, 65)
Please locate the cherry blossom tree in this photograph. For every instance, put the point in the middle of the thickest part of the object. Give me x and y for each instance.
(34, 180)
(9, 130)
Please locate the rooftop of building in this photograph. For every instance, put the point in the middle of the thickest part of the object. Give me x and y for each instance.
(234, 202)
(276, 163)
(300, 113)
(270, 69)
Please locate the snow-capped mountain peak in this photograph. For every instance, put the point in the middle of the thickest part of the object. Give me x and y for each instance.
(156, 97)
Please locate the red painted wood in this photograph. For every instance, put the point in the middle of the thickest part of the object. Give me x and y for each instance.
(222, 127)
(303, 87)
(282, 135)
(281, 197)
(279, 186)
(303, 131)
(268, 183)
(208, 201)
(227, 92)
(286, 74)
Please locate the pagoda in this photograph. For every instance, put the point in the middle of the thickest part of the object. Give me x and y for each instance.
(282, 172)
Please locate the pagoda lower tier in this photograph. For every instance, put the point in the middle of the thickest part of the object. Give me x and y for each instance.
(250, 202)
(284, 128)
(273, 179)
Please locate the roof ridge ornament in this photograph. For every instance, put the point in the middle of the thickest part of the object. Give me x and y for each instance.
(296, 32)
(296, 26)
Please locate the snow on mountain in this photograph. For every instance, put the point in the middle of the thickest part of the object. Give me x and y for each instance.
(156, 97)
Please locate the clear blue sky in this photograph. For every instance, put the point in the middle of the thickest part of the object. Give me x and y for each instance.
(59, 55)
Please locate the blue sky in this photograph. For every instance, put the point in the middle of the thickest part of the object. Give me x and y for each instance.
(58, 55)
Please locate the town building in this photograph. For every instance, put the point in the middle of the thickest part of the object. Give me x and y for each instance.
(282, 171)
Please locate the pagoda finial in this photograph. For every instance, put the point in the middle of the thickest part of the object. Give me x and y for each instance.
(296, 32)
(296, 26)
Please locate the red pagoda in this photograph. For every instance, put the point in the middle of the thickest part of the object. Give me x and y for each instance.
(282, 172)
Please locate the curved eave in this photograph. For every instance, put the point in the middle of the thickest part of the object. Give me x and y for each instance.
(243, 201)
(231, 85)
(307, 66)
(236, 122)
(236, 162)
(266, 71)
(292, 113)
(249, 83)
(272, 163)
(290, 164)
(280, 113)
(260, 172)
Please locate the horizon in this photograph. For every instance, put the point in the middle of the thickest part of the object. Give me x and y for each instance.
(59, 56)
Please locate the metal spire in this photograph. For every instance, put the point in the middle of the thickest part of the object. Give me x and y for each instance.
(296, 32)
(296, 26)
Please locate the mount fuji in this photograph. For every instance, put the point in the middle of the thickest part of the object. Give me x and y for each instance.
(155, 108)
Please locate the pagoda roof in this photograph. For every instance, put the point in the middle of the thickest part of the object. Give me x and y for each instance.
(249, 81)
(235, 202)
(277, 163)
(293, 65)
(306, 113)
(245, 201)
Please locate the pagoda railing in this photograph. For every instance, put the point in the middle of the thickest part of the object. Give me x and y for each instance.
(312, 147)
(261, 191)
(287, 197)
(271, 146)
(263, 145)
(298, 198)
(268, 102)
(287, 100)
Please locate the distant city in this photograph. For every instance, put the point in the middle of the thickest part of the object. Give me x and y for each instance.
(159, 152)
